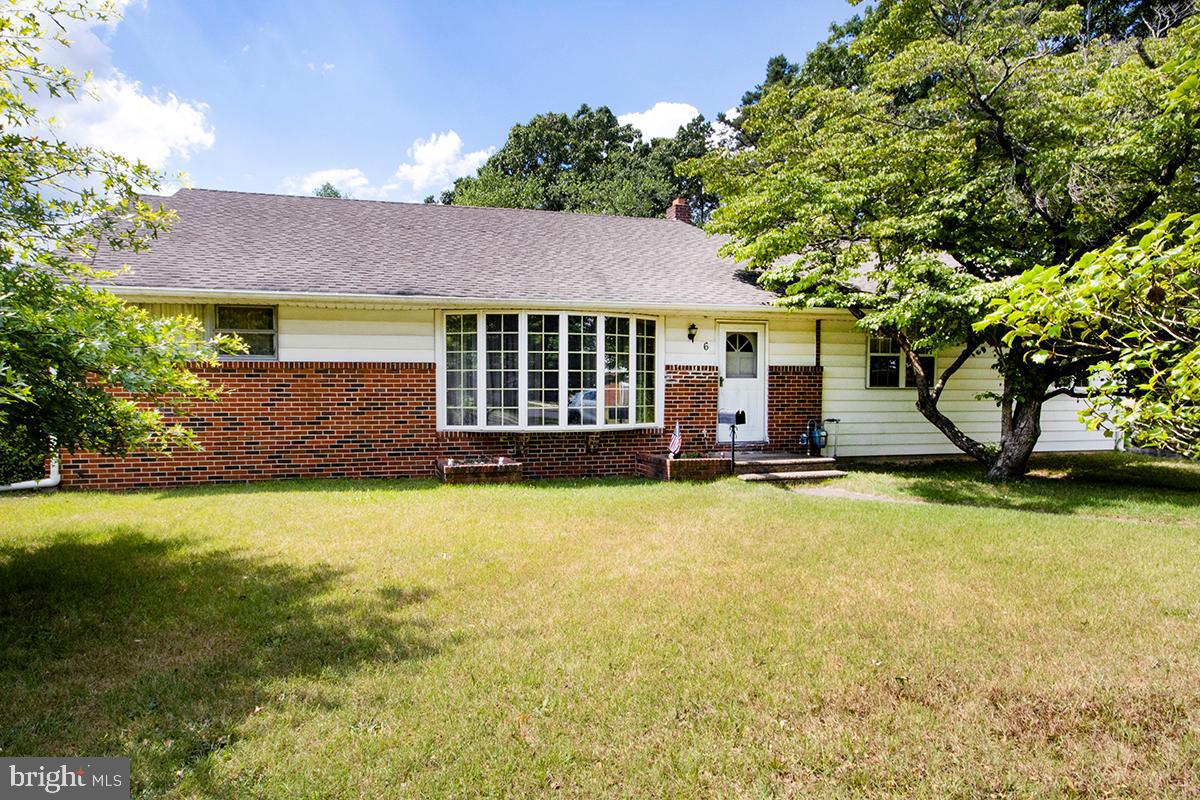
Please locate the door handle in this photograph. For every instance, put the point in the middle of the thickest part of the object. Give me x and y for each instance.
(721, 381)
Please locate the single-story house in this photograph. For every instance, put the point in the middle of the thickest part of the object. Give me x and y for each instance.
(384, 336)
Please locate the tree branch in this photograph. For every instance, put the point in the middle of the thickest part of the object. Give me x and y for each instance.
(1166, 176)
(1016, 153)
(1064, 391)
(927, 399)
(967, 351)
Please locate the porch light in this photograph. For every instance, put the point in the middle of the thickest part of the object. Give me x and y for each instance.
(692, 331)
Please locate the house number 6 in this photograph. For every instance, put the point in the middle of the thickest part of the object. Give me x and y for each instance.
(706, 345)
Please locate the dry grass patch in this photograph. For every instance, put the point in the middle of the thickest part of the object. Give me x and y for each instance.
(623, 639)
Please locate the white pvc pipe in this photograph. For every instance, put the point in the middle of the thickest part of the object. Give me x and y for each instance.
(50, 482)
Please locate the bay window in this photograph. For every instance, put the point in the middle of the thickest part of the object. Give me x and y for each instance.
(647, 374)
(542, 359)
(581, 370)
(548, 371)
(462, 351)
(503, 371)
(616, 370)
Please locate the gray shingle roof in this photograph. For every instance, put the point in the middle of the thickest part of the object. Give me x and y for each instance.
(235, 241)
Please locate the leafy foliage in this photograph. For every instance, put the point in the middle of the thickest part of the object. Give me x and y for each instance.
(327, 189)
(65, 343)
(985, 139)
(588, 162)
(1135, 307)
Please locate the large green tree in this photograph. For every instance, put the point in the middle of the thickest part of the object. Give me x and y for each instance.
(78, 366)
(588, 162)
(985, 138)
(1135, 307)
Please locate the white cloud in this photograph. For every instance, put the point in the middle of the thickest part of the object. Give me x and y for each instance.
(661, 120)
(115, 113)
(723, 134)
(435, 163)
(432, 166)
(120, 117)
(323, 68)
(350, 181)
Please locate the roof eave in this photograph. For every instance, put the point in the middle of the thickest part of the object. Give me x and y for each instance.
(153, 293)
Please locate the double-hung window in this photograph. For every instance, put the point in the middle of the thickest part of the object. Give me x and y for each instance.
(884, 361)
(254, 325)
(549, 370)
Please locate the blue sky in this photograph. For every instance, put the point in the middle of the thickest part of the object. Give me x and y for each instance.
(393, 100)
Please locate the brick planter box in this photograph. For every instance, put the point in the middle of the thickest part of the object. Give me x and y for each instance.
(705, 468)
(492, 470)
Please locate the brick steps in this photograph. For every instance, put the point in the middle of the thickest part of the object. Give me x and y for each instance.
(782, 462)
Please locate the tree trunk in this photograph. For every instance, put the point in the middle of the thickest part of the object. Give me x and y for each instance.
(1015, 448)
(1020, 419)
(1006, 412)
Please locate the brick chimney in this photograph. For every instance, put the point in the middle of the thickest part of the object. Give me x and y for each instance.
(680, 210)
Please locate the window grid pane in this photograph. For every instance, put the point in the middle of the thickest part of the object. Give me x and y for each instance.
(502, 390)
(254, 325)
(647, 341)
(741, 361)
(581, 370)
(884, 371)
(462, 369)
(616, 370)
(543, 354)
(883, 345)
(245, 318)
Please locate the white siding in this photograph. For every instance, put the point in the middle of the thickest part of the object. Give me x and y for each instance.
(877, 422)
(327, 334)
(1062, 430)
(678, 351)
(791, 339)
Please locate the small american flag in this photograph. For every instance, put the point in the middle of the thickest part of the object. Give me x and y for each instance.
(676, 442)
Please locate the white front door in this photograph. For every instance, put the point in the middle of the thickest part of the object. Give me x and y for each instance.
(743, 371)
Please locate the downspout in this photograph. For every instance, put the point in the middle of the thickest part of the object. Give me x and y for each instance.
(50, 482)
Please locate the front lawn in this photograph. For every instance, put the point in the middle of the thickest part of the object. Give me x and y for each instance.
(394, 639)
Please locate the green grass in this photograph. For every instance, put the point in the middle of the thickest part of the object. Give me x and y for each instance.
(1107, 485)
(630, 639)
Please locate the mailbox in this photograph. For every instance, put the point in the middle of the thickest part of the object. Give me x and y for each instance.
(731, 417)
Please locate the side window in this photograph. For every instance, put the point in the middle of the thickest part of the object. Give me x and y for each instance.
(883, 364)
(255, 325)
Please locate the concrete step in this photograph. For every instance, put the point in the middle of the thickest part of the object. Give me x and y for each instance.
(783, 464)
(794, 475)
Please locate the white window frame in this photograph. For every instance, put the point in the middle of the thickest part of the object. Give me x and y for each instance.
(902, 382)
(274, 331)
(523, 374)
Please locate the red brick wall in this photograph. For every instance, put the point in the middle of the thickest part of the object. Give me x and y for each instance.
(794, 397)
(304, 419)
(691, 399)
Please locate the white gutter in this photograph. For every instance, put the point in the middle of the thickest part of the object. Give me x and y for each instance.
(50, 482)
(433, 301)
